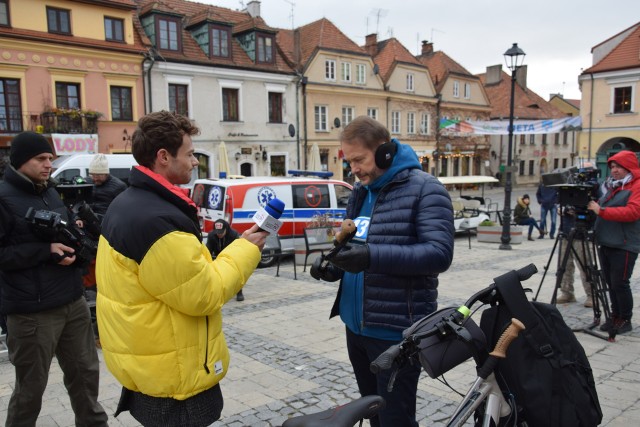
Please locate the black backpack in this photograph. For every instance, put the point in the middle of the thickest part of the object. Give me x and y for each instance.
(546, 369)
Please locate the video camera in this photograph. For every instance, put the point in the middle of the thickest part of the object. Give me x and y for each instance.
(52, 227)
(576, 188)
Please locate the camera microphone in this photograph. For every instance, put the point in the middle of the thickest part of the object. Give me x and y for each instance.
(267, 218)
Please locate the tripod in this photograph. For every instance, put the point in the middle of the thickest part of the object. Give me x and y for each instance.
(582, 236)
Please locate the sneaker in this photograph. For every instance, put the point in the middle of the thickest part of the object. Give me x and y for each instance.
(530, 238)
(565, 298)
(551, 236)
(239, 296)
(623, 326)
(588, 302)
(607, 325)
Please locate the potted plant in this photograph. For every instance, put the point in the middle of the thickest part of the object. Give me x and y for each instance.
(490, 232)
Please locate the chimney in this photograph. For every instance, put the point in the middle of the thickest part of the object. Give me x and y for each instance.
(494, 74)
(521, 76)
(253, 8)
(427, 48)
(371, 44)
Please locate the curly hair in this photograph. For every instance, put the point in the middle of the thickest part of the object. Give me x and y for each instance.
(160, 130)
(367, 131)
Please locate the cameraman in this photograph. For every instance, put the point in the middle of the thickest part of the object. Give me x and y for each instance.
(617, 232)
(106, 187)
(42, 294)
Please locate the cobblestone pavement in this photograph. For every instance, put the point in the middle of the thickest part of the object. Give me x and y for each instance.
(289, 358)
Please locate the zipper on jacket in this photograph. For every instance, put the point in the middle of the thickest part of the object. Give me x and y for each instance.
(206, 345)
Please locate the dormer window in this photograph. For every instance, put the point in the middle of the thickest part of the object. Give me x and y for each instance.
(264, 48)
(168, 33)
(220, 37)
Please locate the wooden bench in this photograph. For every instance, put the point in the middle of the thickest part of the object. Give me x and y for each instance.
(317, 239)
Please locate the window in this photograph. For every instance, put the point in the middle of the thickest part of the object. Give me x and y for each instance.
(230, 106)
(167, 34)
(467, 91)
(544, 139)
(121, 105)
(275, 107)
(345, 68)
(556, 139)
(10, 106)
(521, 168)
(372, 113)
(532, 139)
(361, 77)
(67, 95)
(58, 20)
(564, 138)
(456, 89)
(347, 115)
(305, 199)
(522, 139)
(622, 100)
(556, 163)
(4, 12)
(321, 118)
(410, 87)
(219, 42)
(330, 70)
(424, 124)
(531, 167)
(113, 29)
(564, 163)
(395, 122)
(411, 123)
(179, 99)
(265, 49)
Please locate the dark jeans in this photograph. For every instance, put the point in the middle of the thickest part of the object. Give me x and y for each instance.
(531, 223)
(553, 214)
(400, 410)
(617, 267)
(33, 340)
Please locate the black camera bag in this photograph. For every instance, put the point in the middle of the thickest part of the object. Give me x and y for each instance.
(546, 369)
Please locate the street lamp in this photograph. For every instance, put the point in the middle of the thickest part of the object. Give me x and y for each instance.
(514, 57)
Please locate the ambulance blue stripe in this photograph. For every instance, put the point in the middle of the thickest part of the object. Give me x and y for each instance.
(288, 213)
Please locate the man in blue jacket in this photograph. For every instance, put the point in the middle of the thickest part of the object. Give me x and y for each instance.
(389, 272)
(548, 199)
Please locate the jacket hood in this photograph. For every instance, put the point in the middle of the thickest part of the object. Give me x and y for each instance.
(628, 160)
(405, 158)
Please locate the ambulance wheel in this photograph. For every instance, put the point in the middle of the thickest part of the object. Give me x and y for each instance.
(267, 258)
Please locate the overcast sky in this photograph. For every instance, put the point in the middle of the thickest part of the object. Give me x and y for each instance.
(556, 35)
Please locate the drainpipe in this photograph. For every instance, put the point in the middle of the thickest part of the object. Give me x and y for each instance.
(149, 56)
(304, 118)
(591, 115)
(298, 83)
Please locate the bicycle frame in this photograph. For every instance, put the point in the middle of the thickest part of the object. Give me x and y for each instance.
(496, 406)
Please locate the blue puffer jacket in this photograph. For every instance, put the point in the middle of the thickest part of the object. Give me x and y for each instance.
(410, 240)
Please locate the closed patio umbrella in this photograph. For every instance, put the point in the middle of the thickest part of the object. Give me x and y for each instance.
(314, 161)
(223, 160)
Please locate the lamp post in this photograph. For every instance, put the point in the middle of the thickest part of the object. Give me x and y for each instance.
(514, 57)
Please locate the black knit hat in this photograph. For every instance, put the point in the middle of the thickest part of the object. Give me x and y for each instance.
(27, 145)
(526, 196)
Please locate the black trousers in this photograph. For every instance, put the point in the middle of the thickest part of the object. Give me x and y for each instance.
(617, 267)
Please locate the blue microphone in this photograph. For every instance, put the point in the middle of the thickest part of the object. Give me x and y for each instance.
(267, 218)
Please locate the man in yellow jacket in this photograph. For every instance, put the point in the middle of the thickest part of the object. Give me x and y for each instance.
(160, 294)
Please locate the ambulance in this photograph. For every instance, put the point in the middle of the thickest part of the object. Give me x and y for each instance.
(307, 201)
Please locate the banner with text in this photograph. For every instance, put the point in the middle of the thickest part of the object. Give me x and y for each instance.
(66, 144)
(501, 127)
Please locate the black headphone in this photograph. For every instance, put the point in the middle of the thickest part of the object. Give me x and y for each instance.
(385, 154)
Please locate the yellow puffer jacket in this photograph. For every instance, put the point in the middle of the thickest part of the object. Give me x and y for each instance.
(160, 297)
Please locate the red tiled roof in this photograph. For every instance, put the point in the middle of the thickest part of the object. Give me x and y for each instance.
(440, 65)
(624, 56)
(193, 13)
(110, 3)
(320, 34)
(389, 53)
(528, 105)
(574, 102)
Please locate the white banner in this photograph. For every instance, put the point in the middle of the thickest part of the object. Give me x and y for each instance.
(501, 127)
(76, 143)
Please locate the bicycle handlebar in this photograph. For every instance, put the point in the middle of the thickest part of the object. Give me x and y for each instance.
(408, 345)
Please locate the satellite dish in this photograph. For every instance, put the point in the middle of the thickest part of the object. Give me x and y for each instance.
(376, 69)
(292, 130)
(336, 122)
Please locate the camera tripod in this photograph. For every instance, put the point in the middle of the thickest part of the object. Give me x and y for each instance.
(588, 263)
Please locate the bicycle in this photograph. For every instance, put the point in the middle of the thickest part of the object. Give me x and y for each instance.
(452, 333)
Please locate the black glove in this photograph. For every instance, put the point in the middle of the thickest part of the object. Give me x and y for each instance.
(328, 273)
(352, 258)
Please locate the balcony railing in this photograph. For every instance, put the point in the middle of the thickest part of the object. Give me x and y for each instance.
(50, 122)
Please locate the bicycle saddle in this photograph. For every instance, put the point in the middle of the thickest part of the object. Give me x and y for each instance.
(345, 415)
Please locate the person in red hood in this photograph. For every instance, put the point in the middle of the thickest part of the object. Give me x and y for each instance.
(617, 232)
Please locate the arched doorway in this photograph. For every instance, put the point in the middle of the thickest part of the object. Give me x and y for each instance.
(246, 169)
(611, 147)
